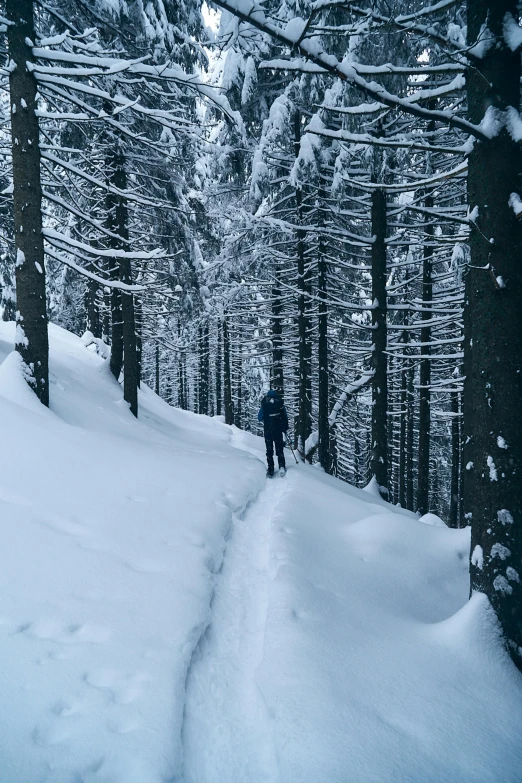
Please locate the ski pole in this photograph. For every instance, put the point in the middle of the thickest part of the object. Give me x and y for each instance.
(291, 449)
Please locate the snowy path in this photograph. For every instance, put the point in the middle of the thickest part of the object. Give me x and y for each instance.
(227, 732)
(340, 644)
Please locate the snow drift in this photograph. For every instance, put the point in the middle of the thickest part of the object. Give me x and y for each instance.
(167, 615)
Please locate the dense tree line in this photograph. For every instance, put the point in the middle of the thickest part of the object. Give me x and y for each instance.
(320, 197)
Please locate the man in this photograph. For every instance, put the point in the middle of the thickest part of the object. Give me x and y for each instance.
(275, 420)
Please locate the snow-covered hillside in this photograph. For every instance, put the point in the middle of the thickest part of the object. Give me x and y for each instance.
(168, 615)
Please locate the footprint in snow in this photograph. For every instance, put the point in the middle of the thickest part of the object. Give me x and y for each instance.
(124, 688)
(52, 734)
(6, 496)
(67, 526)
(124, 724)
(71, 633)
(66, 709)
(146, 566)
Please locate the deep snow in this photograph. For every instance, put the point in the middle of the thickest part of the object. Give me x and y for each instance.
(168, 615)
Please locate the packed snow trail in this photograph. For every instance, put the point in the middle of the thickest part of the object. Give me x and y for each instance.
(342, 647)
(224, 705)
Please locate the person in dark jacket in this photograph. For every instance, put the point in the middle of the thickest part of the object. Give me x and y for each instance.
(275, 421)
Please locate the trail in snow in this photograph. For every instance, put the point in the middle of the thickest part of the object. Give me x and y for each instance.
(227, 734)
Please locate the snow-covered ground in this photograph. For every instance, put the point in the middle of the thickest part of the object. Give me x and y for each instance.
(166, 614)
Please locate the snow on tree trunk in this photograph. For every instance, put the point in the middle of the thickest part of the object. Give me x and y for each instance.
(227, 379)
(455, 461)
(218, 372)
(322, 356)
(379, 451)
(410, 433)
(204, 370)
(493, 337)
(277, 337)
(157, 369)
(425, 367)
(124, 348)
(303, 306)
(31, 339)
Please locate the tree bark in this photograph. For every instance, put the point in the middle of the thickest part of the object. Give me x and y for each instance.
(379, 451)
(455, 461)
(92, 313)
(238, 416)
(303, 319)
(410, 437)
(204, 370)
(402, 438)
(493, 338)
(277, 337)
(157, 369)
(139, 338)
(218, 372)
(31, 339)
(227, 380)
(123, 349)
(182, 397)
(425, 368)
(323, 425)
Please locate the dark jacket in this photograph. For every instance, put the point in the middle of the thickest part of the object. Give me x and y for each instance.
(273, 414)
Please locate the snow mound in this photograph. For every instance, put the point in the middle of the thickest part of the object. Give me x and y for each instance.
(14, 387)
(432, 519)
(113, 531)
(372, 488)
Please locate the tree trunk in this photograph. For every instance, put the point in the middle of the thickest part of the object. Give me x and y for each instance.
(204, 370)
(130, 349)
(425, 368)
(379, 452)
(323, 427)
(116, 362)
(390, 433)
(402, 438)
(123, 346)
(238, 418)
(92, 313)
(218, 373)
(157, 369)
(357, 473)
(107, 312)
(31, 339)
(139, 338)
(227, 380)
(277, 337)
(182, 397)
(111, 203)
(303, 319)
(410, 437)
(455, 461)
(493, 341)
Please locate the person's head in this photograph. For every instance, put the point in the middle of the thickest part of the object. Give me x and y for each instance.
(272, 393)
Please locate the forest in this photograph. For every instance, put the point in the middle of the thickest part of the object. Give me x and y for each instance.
(322, 197)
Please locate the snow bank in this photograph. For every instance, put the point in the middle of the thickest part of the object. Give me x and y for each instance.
(112, 533)
(432, 519)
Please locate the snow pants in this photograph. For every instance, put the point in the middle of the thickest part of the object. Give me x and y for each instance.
(271, 440)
